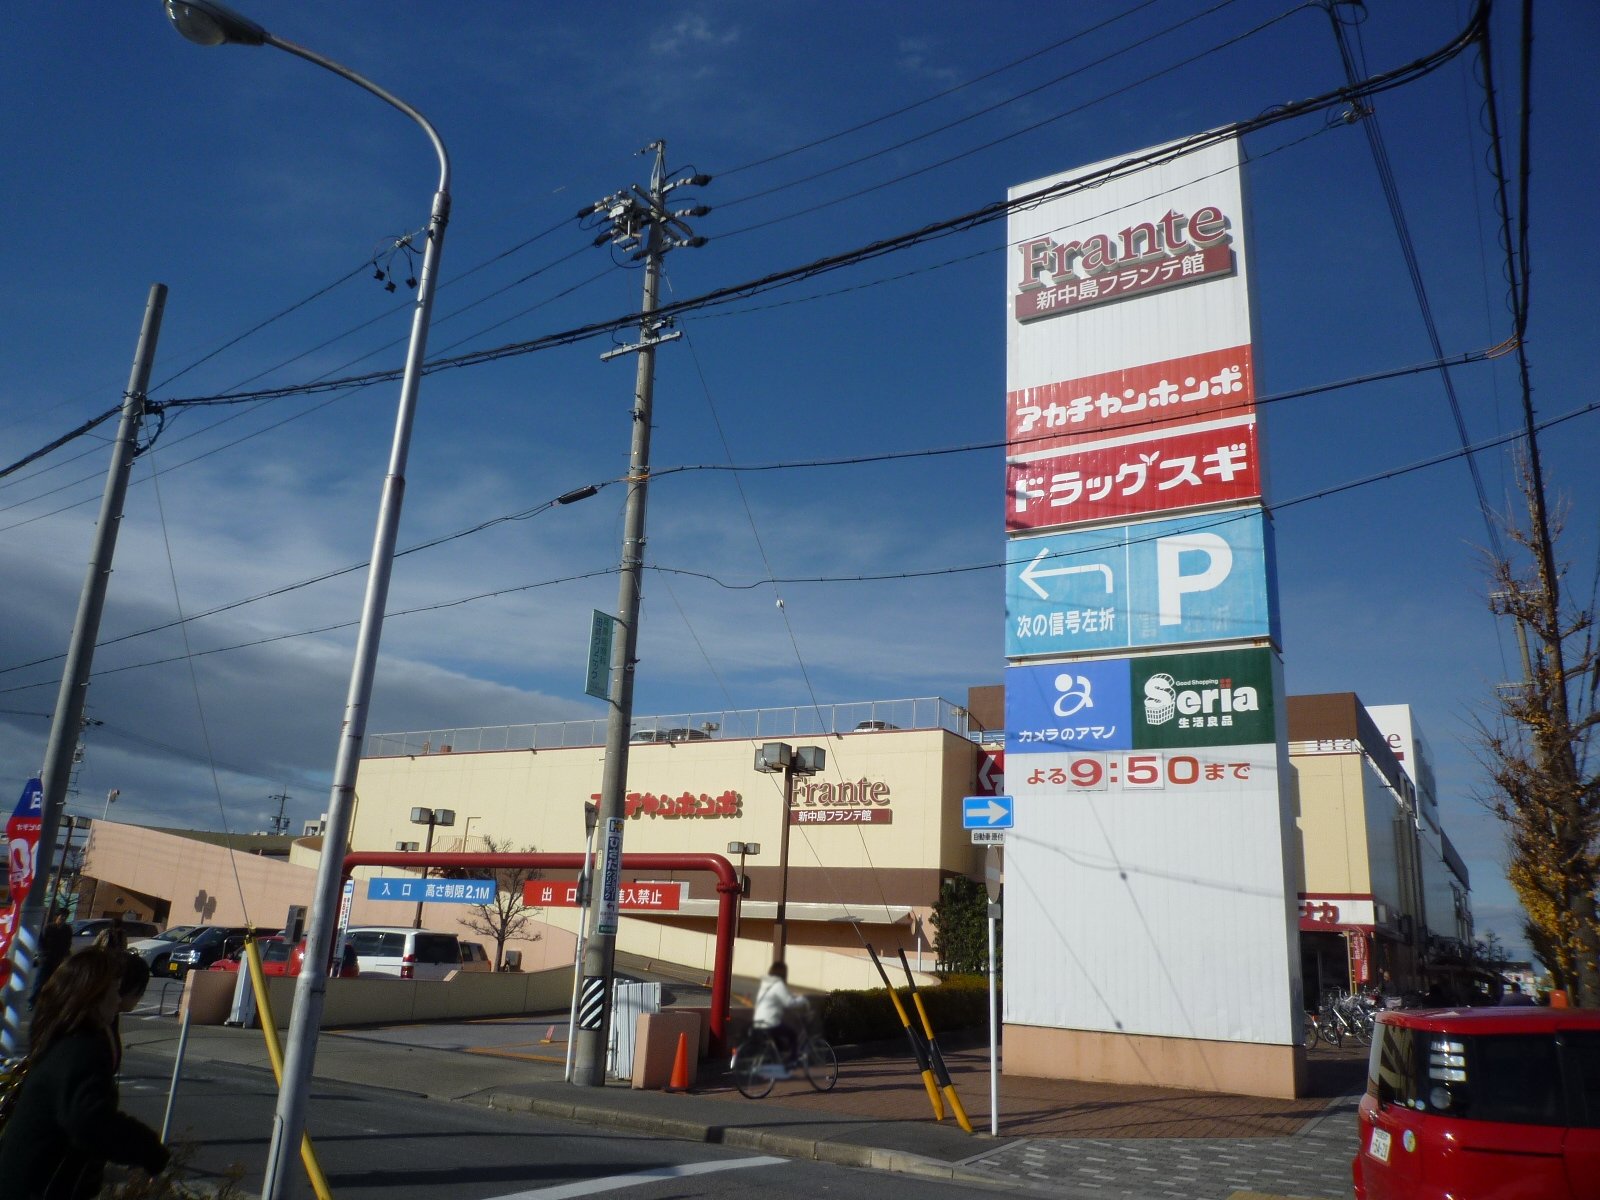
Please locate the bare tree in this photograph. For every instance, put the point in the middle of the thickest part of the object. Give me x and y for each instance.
(1546, 793)
(508, 916)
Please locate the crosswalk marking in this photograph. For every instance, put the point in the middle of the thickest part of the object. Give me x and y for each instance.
(610, 1183)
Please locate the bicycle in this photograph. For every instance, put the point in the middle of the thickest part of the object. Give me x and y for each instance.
(758, 1063)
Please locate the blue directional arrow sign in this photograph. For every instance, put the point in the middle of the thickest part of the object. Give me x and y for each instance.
(987, 812)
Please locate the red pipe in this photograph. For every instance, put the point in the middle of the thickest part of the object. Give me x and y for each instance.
(727, 893)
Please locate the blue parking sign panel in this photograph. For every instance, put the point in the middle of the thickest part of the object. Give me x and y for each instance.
(1195, 578)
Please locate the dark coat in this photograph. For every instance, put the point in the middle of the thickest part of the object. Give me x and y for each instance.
(66, 1126)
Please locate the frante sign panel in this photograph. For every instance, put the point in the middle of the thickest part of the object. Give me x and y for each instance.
(1147, 398)
(1223, 698)
(1194, 465)
(1146, 256)
(1082, 704)
(1201, 578)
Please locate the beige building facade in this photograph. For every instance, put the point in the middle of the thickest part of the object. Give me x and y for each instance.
(871, 837)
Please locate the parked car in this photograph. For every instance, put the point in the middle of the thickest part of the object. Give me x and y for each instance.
(156, 950)
(86, 931)
(474, 957)
(401, 952)
(278, 959)
(198, 950)
(1481, 1102)
(872, 726)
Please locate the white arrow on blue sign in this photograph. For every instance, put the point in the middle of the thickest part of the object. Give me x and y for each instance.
(987, 812)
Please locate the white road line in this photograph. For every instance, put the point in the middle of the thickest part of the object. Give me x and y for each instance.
(610, 1183)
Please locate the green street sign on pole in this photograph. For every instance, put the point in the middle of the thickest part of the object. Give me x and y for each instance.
(601, 627)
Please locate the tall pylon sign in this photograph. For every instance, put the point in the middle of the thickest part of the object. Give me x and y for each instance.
(1152, 930)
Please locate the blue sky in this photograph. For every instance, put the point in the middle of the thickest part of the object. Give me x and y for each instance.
(247, 180)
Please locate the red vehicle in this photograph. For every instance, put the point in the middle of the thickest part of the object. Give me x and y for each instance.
(1481, 1104)
(276, 959)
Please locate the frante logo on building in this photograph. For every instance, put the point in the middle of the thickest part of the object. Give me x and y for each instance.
(1148, 256)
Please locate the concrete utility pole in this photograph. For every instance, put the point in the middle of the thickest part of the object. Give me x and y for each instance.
(67, 720)
(636, 221)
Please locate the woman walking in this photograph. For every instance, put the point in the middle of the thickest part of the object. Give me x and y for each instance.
(66, 1125)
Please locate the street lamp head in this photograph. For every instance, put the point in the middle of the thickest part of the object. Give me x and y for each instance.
(422, 816)
(444, 817)
(774, 756)
(207, 23)
(810, 760)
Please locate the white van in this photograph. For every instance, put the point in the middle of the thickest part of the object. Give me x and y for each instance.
(401, 952)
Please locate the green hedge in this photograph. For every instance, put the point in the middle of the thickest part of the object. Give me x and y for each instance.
(960, 1002)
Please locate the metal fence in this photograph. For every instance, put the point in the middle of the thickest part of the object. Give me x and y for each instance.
(925, 712)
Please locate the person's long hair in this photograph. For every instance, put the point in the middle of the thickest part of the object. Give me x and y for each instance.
(73, 998)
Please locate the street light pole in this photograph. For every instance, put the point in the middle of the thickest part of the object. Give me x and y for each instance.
(772, 758)
(212, 24)
(431, 817)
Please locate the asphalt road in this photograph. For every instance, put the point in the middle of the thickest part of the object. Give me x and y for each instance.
(397, 1144)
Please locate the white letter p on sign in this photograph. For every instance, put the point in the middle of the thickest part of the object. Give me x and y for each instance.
(1171, 582)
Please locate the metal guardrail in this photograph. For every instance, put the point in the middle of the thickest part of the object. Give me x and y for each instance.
(927, 712)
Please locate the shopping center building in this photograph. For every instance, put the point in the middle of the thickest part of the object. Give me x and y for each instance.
(873, 837)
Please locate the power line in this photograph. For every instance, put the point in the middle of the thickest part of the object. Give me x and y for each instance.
(1323, 493)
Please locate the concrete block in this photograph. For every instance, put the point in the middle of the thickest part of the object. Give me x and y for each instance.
(207, 996)
(656, 1044)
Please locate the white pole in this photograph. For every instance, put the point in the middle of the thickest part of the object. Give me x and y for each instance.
(994, 1034)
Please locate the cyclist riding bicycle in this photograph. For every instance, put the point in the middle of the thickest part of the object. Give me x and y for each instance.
(779, 1012)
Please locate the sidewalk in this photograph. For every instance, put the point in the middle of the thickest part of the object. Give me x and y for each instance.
(1061, 1138)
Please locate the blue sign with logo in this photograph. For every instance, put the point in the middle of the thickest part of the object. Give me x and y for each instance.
(432, 891)
(1069, 706)
(987, 812)
(1196, 578)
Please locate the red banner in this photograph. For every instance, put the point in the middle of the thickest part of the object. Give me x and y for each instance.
(1156, 397)
(22, 847)
(631, 897)
(1360, 959)
(1131, 477)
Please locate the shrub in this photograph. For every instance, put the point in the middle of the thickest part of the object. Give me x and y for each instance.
(850, 1017)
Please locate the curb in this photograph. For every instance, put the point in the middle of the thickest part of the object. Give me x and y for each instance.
(843, 1154)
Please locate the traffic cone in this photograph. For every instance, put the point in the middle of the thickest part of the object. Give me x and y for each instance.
(680, 1066)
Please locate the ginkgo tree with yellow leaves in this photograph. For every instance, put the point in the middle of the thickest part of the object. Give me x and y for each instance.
(1546, 792)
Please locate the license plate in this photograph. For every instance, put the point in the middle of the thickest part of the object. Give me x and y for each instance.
(1378, 1147)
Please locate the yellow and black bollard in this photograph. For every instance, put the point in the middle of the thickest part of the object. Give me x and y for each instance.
(915, 1038)
(940, 1071)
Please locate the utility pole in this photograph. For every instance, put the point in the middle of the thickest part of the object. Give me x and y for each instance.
(280, 823)
(639, 222)
(67, 719)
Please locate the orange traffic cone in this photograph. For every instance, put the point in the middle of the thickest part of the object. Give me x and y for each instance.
(680, 1066)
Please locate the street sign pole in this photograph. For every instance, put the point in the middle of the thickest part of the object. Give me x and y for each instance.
(992, 882)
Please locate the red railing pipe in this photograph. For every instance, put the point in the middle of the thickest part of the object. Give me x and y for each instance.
(727, 898)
